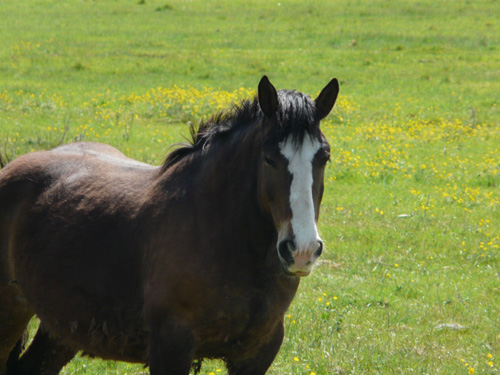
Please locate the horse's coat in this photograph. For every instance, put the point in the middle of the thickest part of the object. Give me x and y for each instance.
(198, 258)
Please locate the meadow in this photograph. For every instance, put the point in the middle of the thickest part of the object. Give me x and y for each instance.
(409, 282)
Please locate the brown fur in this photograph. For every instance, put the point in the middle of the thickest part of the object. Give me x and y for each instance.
(144, 264)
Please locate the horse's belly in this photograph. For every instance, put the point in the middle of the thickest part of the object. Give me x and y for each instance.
(124, 346)
(104, 336)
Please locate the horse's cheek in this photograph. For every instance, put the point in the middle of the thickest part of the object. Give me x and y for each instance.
(266, 194)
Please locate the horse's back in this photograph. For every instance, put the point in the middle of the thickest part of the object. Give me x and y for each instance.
(94, 176)
(45, 167)
(102, 153)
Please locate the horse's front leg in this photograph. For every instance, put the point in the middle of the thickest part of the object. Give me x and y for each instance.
(259, 363)
(171, 348)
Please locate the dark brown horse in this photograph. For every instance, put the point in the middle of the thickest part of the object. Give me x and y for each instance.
(198, 258)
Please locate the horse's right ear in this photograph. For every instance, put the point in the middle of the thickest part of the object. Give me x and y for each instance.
(268, 97)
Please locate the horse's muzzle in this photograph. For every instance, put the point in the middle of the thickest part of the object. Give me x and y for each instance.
(299, 261)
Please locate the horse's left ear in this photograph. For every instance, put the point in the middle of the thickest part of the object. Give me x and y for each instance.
(268, 97)
(326, 99)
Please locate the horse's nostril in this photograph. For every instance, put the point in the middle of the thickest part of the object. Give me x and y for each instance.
(285, 251)
(291, 246)
(319, 250)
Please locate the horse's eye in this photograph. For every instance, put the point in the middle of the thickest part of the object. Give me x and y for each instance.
(269, 162)
(324, 159)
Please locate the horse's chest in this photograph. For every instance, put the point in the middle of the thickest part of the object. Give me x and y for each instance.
(239, 322)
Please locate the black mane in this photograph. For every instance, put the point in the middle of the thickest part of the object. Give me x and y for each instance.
(296, 114)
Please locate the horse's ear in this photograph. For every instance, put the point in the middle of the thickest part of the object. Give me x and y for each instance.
(326, 99)
(268, 97)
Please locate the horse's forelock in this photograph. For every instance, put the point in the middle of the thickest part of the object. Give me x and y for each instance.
(296, 116)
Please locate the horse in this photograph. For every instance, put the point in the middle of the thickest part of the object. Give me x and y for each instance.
(165, 265)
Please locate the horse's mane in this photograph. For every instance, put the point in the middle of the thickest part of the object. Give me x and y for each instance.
(296, 113)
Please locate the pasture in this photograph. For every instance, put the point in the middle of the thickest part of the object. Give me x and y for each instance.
(409, 281)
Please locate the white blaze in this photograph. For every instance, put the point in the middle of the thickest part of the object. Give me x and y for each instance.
(301, 200)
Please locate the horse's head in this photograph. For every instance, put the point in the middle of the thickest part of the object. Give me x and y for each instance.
(294, 155)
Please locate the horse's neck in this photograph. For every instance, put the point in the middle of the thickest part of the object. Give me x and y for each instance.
(222, 181)
(229, 176)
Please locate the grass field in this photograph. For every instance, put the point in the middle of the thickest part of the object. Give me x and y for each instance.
(409, 282)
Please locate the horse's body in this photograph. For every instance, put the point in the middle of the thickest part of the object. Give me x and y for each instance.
(162, 265)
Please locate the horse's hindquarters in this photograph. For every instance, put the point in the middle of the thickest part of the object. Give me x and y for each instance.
(69, 250)
(15, 312)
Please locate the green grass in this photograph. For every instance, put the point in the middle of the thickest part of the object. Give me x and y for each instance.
(411, 211)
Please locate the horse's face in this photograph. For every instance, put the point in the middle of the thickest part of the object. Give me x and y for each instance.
(294, 155)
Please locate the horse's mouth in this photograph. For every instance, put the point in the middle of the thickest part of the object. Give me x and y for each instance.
(287, 272)
(302, 273)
